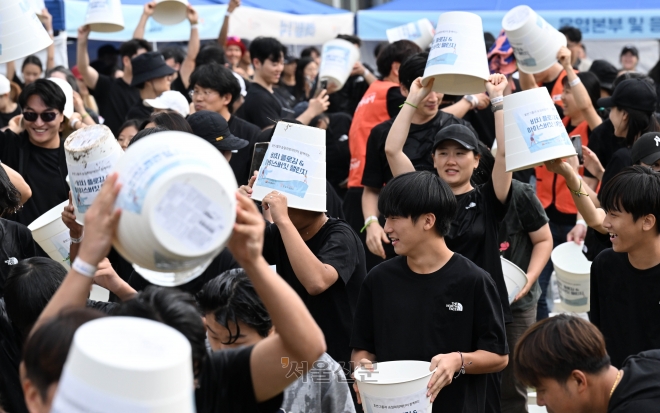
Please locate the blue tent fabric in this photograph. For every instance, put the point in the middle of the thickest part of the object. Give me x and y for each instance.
(284, 6)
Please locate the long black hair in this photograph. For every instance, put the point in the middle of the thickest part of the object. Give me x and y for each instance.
(299, 88)
(10, 197)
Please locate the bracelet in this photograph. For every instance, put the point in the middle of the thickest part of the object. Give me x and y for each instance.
(227, 14)
(194, 26)
(370, 220)
(577, 193)
(462, 369)
(581, 222)
(496, 100)
(83, 268)
(408, 103)
(84, 115)
(575, 82)
(73, 123)
(472, 99)
(77, 240)
(495, 108)
(366, 72)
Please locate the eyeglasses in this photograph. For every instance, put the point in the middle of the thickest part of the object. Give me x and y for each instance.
(45, 116)
(204, 93)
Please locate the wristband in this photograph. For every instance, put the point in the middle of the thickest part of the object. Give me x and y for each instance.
(575, 82)
(495, 108)
(194, 26)
(227, 14)
(496, 100)
(408, 103)
(581, 222)
(76, 240)
(366, 72)
(472, 99)
(370, 220)
(83, 268)
(73, 122)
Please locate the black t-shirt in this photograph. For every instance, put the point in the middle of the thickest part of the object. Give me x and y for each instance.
(620, 160)
(639, 389)
(394, 101)
(225, 385)
(177, 84)
(418, 147)
(335, 244)
(240, 161)
(6, 117)
(114, 98)
(624, 305)
(44, 170)
(16, 244)
(347, 98)
(402, 315)
(263, 108)
(139, 111)
(603, 143)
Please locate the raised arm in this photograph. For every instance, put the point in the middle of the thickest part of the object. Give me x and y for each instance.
(580, 94)
(297, 339)
(188, 65)
(222, 36)
(19, 183)
(89, 74)
(468, 103)
(47, 21)
(147, 12)
(495, 86)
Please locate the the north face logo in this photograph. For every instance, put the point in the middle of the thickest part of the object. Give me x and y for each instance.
(455, 307)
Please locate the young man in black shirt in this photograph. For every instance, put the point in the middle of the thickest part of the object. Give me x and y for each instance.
(564, 357)
(151, 76)
(430, 303)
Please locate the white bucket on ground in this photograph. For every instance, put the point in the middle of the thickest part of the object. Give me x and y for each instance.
(168, 12)
(178, 202)
(395, 383)
(126, 364)
(91, 153)
(535, 42)
(337, 60)
(420, 32)
(21, 32)
(514, 278)
(573, 271)
(105, 16)
(458, 59)
(533, 130)
(294, 165)
(52, 235)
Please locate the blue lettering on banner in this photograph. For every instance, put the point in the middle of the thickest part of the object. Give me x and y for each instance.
(607, 27)
(297, 29)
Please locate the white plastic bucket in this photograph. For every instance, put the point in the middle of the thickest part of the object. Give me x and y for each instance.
(395, 383)
(573, 272)
(178, 202)
(52, 235)
(105, 16)
(171, 279)
(21, 32)
(294, 165)
(420, 32)
(514, 278)
(37, 6)
(533, 130)
(91, 153)
(337, 60)
(535, 42)
(458, 59)
(68, 93)
(126, 364)
(168, 12)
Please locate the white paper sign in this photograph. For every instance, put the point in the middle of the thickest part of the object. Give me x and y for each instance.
(447, 44)
(414, 403)
(86, 179)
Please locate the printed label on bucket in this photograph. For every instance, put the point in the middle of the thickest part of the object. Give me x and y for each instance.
(62, 243)
(335, 58)
(414, 403)
(287, 167)
(410, 31)
(541, 126)
(96, 6)
(87, 178)
(523, 54)
(446, 45)
(575, 293)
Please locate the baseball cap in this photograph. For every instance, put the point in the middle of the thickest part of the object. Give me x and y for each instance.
(147, 66)
(170, 100)
(646, 149)
(605, 72)
(459, 133)
(212, 127)
(630, 48)
(635, 94)
(5, 86)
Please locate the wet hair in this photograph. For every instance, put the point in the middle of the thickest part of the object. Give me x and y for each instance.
(412, 68)
(10, 197)
(46, 350)
(174, 308)
(484, 171)
(590, 82)
(308, 51)
(70, 78)
(50, 92)
(29, 286)
(146, 132)
(299, 88)
(231, 298)
(32, 60)
(554, 347)
(168, 120)
(130, 48)
(635, 190)
(219, 78)
(350, 38)
(573, 34)
(267, 48)
(129, 123)
(173, 52)
(396, 52)
(414, 194)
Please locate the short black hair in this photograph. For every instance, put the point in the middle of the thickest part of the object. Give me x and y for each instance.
(635, 190)
(146, 132)
(219, 78)
(573, 34)
(350, 38)
(70, 78)
(267, 48)
(50, 92)
(169, 120)
(412, 68)
(174, 52)
(130, 48)
(398, 51)
(32, 60)
(308, 51)
(414, 194)
(231, 297)
(210, 53)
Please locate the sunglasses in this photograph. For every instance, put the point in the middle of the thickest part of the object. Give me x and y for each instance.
(45, 116)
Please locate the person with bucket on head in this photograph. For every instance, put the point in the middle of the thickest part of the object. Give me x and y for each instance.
(430, 303)
(152, 77)
(235, 317)
(114, 96)
(565, 359)
(629, 58)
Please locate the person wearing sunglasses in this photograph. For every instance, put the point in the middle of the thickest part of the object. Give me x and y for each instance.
(37, 152)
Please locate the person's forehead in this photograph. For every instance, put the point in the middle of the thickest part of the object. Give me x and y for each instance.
(450, 144)
(35, 101)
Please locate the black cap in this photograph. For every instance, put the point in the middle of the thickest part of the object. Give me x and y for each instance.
(459, 133)
(212, 127)
(630, 48)
(646, 149)
(635, 94)
(147, 66)
(605, 72)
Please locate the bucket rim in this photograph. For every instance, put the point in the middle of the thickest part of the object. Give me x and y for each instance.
(430, 372)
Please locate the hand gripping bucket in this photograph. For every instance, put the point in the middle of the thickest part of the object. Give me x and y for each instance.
(105, 16)
(395, 386)
(458, 59)
(91, 153)
(52, 235)
(573, 272)
(514, 278)
(21, 32)
(533, 130)
(420, 32)
(169, 12)
(535, 42)
(337, 60)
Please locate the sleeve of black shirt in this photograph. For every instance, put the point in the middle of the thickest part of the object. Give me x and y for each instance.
(529, 209)
(362, 336)
(261, 112)
(269, 253)
(372, 175)
(338, 250)
(394, 101)
(498, 208)
(489, 331)
(102, 306)
(103, 85)
(594, 299)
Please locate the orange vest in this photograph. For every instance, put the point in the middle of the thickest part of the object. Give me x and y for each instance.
(550, 187)
(557, 89)
(371, 111)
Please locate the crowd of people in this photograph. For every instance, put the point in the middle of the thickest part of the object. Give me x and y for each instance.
(405, 264)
